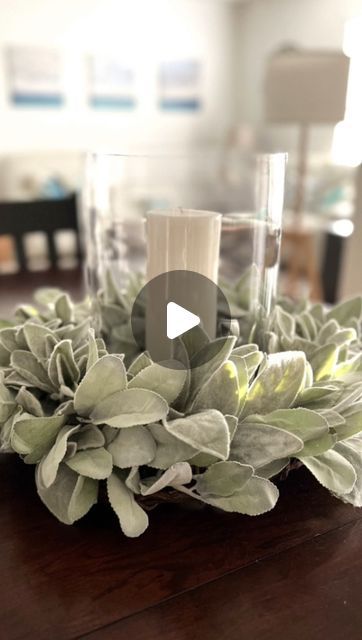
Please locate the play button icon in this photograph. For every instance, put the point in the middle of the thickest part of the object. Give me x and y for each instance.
(176, 314)
(179, 320)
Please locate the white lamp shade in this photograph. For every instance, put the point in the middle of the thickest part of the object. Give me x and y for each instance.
(306, 87)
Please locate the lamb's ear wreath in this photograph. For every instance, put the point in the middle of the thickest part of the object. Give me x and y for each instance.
(86, 408)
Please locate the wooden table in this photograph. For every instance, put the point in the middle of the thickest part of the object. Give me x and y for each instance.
(18, 288)
(294, 573)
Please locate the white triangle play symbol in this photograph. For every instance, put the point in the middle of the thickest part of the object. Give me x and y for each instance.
(179, 320)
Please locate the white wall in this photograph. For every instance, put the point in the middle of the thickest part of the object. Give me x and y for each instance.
(144, 31)
(266, 25)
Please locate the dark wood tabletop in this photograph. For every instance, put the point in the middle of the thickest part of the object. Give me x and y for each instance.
(294, 573)
(18, 288)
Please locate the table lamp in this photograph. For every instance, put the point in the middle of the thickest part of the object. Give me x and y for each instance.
(305, 88)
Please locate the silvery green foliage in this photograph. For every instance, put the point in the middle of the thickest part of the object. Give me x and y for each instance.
(114, 308)
(218, 432)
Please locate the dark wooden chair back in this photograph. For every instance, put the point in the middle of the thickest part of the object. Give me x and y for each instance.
(47, 216)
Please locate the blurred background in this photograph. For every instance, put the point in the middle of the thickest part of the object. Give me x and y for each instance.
(224, 77)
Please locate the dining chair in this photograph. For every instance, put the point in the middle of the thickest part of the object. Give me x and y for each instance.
(47, 216)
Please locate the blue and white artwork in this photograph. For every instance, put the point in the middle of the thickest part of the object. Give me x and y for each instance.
(35, 77)
(111, 84)
(180, 85)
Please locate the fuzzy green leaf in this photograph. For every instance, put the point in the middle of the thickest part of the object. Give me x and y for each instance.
(251, 355)
(133, 481)
(132, 518)
(278, 383)
(64, 309)
(257, 496)
(332, 470)
(348, 366)
(352, 451)
(75, 333)
(259, 444)
(29, 402)
(93, 463)
(83, 498)
(167, 382)
(273, 468)
(130, 408)
(62, 368)
(6, 395)
(220, 392)
(36, 335)
(132, 447)
(34, 436)
(245, 350)
(327, 332)
(348, 396)
(304, 423)
(243, 379)
(206, 431)
(223, 478)
(309, 325)
(285, 322)
(141, 362)
(333, 418)
(8, 403)
(208, 360)
(30, 370)
(8, 339)
(194, 340)
(49, 465)
(324, 360)
(4, 356)
(177, 475)
(344, 311)
(319, 445)
(105, 378)
(315, 394)
(92, 355)
(6, 410)
(169, 448)
(70, 497)
(89, 437)
(351, 426)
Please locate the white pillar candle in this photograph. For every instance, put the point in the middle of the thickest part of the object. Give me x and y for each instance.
(185, 240)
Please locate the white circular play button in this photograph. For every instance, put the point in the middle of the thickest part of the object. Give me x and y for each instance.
(178, 309)
(179, 320)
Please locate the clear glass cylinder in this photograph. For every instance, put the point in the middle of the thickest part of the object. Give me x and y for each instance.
(146, 214)
(251, 231)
